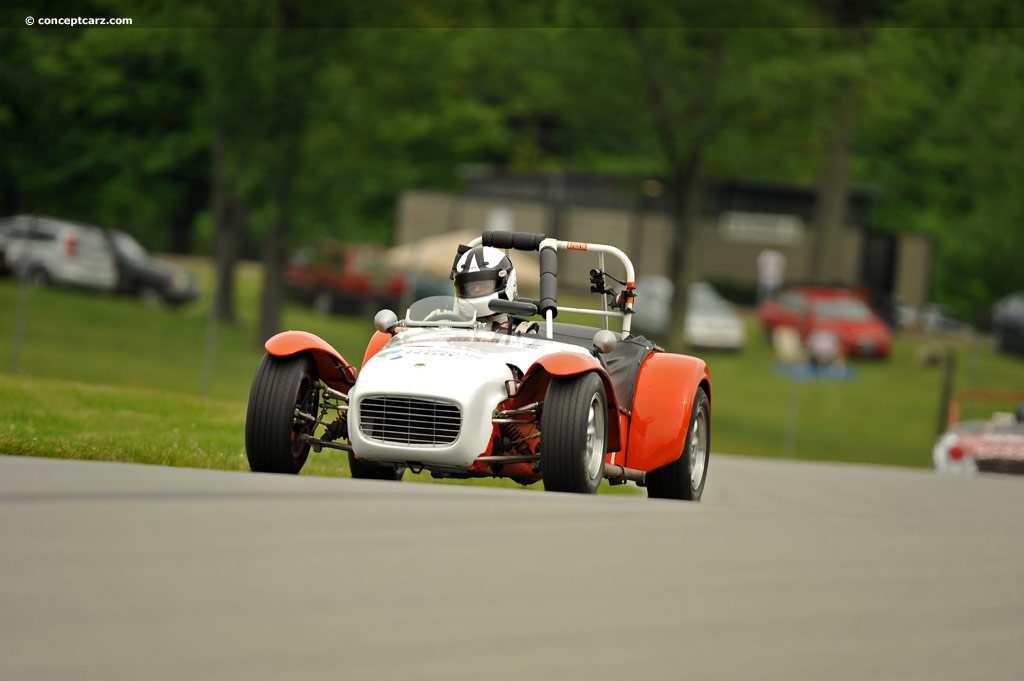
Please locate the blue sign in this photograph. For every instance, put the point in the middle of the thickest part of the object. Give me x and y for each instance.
(805, 373)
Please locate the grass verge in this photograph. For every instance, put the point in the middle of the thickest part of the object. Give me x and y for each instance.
(109, 378)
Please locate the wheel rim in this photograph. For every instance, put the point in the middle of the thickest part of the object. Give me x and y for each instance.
(595, 439)
(698, 448)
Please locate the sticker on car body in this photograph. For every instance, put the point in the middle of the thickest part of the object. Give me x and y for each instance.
(447, 353)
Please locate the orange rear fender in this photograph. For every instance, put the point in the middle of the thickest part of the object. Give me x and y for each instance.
(664, 396)
(331, 366)
(572, 364)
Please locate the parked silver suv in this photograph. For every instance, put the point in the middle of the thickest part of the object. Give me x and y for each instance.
(45, 250)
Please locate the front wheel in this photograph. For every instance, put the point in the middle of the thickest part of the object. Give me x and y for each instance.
(684, 478)
(574, 434)
(284, 396)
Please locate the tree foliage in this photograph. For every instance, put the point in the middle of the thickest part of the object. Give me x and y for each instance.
(292, 126)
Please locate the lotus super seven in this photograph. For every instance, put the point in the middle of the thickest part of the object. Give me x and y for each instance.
(531, 399)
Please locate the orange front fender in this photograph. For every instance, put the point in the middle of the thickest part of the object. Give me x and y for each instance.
(571, 364)
(331, 366)
(664, 396)
(377, 341)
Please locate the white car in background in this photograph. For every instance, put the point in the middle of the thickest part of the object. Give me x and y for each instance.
(711, 321)
(49, 251)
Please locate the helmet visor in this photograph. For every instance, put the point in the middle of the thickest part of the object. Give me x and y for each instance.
(476, 284)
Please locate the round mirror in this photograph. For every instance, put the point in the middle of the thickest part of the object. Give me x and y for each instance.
(604, 341)
(386, 321)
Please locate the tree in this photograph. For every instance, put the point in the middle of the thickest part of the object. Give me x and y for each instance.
(679, 91)
(941, 138)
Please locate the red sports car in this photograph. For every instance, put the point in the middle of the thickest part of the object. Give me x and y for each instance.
(861, 332)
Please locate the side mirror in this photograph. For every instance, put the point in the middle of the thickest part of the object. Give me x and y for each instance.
(604, 342)
(386, 321)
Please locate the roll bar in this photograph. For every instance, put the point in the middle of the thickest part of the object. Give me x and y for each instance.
(548, 303)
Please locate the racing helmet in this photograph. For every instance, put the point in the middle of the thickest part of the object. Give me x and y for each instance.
(483, 274)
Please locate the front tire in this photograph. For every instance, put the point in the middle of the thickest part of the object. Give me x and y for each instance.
(574, 434)
(282, 387)
(684, 478)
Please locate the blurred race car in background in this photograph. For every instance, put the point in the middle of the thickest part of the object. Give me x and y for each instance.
(991, 445)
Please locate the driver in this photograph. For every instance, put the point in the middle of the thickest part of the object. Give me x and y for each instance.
(483, 274)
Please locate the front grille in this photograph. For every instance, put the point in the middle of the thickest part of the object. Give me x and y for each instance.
(1001, 466)
(409, 420)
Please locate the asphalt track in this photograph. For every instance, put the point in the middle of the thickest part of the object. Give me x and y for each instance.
(785, 571)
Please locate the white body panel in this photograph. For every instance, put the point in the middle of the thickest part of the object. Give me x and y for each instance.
(41, 244)
(714, 331)
(463, 367)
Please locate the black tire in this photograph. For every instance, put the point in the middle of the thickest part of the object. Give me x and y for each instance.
(574, 434)
(281, 386)
(365, 470)
(38, 276)
(676, 480)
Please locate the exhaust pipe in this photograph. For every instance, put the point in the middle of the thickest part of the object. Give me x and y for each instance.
(619, 475)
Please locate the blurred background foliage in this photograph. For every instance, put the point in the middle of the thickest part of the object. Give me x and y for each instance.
(292, 122)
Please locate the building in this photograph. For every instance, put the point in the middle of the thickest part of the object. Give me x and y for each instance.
(739, 220)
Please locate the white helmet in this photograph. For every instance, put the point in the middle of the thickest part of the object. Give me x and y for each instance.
(483, 274)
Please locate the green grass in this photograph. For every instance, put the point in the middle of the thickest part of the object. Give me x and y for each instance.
(889, 412)
(100, 377)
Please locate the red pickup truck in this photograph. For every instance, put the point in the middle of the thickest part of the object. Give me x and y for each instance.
(343, 279)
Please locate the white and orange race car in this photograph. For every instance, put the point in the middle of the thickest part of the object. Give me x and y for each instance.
(442, 391)
(990, 445)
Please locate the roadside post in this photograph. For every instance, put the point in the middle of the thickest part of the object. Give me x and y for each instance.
(798, 374)
(19, 313)
(19, 326)
(209, 345)
(948, 375)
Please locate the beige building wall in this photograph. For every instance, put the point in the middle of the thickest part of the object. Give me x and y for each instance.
(913, 269)
(716, 253)
(425, 213)
(849, 264)
(595, 225)
(422, 214)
